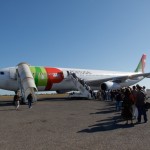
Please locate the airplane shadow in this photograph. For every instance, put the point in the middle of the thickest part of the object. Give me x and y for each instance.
(106, 125)
(111, 123)
(104, 111)
(6, 103)
(11, 109)
(108, 108)
(59, 99)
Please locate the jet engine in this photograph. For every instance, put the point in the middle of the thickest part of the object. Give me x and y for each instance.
(110, 86)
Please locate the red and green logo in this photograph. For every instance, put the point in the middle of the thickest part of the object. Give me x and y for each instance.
(46, 76)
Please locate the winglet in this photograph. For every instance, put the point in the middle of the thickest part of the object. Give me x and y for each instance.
(141, 65)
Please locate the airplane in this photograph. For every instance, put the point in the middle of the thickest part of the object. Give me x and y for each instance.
(57, 79)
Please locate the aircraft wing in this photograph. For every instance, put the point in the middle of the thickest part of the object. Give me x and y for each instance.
(134, 76)
(118, 79)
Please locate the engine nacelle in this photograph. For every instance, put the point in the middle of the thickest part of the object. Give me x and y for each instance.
(110, 86)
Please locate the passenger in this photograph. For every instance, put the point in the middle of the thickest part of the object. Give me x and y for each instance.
(68, 73)
(94, 95)
(99, 97)
(112, 95)
(144, 90)
(108, 95)
(103, 94)
(127, 107)
(82, 81)
(74, 75)
(140, 104)
(134, 108)
(118, 100)
(91, 92)
(16, 100)
(30, 99)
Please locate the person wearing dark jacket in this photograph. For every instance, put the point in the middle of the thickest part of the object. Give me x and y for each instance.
(118, 100)
(16, 100)
(30, 98)
(140, 104)
(127, 107)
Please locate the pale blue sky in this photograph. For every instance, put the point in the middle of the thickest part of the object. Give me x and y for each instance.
(91, 34)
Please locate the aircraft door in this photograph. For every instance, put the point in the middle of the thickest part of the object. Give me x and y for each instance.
(12, 73)
(65, 73)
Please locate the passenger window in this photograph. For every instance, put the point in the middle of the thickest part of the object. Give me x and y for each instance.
(1, 73)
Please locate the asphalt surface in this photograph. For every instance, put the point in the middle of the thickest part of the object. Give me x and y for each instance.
(59, 124)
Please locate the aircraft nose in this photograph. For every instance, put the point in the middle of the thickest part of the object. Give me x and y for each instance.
(2, 74)
(1, 77)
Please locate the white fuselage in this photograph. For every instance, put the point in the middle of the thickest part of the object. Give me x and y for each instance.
(8, 79)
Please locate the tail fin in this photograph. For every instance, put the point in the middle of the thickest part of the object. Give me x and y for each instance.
(141, 65)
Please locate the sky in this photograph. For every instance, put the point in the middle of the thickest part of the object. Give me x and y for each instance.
(89, 34)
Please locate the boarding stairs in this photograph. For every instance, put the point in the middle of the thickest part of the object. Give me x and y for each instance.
(83, 88)
(26, 82)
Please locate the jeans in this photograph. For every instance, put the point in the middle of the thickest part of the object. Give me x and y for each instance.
(118, 105)
(29, 104)
(142, 111)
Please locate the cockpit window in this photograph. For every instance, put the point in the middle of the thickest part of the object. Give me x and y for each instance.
(1, 73)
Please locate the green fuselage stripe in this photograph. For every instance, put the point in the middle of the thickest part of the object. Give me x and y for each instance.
(33, 71)
(40, 75)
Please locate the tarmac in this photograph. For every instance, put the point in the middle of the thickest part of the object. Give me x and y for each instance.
(61, 124)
